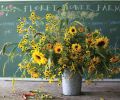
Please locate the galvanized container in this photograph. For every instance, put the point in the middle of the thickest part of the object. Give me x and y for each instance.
(71, 83)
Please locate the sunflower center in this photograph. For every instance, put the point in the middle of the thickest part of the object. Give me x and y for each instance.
(76, 46)
(101, 43)
(73, 30)
(38, 57)
(58, 49)
(73, 55)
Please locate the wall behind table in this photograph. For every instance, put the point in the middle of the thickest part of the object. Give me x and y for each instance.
(104, 15)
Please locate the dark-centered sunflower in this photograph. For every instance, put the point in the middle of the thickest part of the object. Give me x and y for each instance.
(39, 58)
(102, 42)
(76, 47)
(58, 48)
(72, 30)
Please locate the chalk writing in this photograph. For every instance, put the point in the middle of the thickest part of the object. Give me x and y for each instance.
(80, 7)
(6, 9)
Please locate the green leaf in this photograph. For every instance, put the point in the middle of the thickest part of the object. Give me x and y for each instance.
(4, 67)
(6, 46)
(77, 22)
(12, 54)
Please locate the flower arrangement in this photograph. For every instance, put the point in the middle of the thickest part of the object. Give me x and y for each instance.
(53, 43)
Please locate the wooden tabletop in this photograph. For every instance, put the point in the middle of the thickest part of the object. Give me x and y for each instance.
(94, 91)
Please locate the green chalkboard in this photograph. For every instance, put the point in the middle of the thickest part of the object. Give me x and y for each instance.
(103, 15)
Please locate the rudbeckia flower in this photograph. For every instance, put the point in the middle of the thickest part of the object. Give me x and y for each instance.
(72, 30)
(102, 42)
(58, 48)
(76, 47)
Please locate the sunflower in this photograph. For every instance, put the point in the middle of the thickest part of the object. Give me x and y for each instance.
(33, 13)
(73, 56)
(24, 41)
(21, 66)
(49, 16)
(43, 38)
(81, 29)
(35, 75)
(39, 58)
(35, 47)
(115, 70)
(47, 73)
(102, 42)
(49, 46)
(58, 48)
(63, 60)
(47, 27)
(64, 66)
(96, 60)
(88, 40)
(114, 59)
(91, 68)
(67, 40)
(81, 58)
(72, 30)
(30, 27)
(76, 47)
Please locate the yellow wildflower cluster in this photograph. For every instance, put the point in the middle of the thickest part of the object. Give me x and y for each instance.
(52, 24)
(25, 27)
(33, 17)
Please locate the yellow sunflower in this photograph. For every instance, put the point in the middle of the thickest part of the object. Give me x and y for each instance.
(30, 27)
(102, 42)
(48, 16)
(35, 47)
(91, 68)
(43, 38)
(96, 60)
(32, 13)
(63, 60)
(115, 70)
(76, 47)
(58, 48)
(81, 29)
(39, 58)
(47, 73)
(72, 30)
(73, 56)
(35, 75)
(88, 40)
(49, 46)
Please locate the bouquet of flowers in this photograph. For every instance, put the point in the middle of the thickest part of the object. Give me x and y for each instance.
(53, 43)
